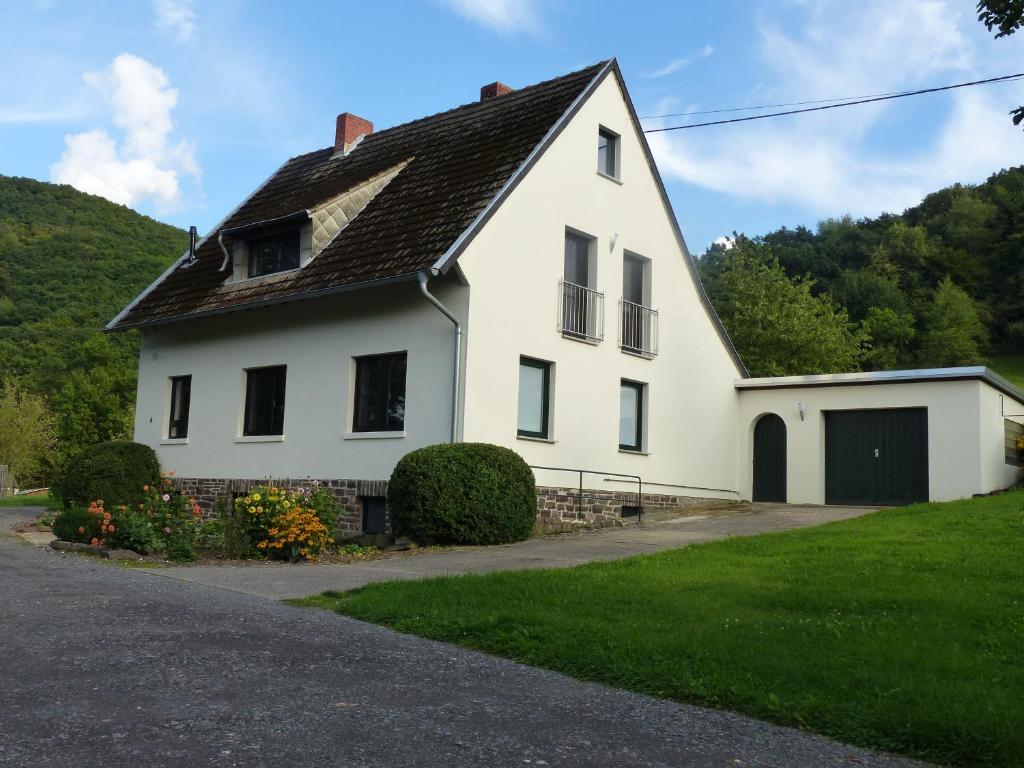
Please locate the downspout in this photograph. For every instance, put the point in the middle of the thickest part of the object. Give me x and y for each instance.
(456, 366)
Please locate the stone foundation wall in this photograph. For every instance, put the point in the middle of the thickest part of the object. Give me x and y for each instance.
(556, 507)
(596, 508)
(349, 493)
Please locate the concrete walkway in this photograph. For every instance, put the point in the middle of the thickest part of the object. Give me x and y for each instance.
(659, 532)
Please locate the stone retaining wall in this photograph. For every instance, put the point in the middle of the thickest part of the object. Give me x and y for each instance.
(556, 507)
(597, 508)
(349, 493)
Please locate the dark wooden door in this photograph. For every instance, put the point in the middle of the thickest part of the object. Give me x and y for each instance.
(876, 457)
(770, 459)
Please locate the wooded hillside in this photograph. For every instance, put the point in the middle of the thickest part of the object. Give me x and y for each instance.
(941, 284)
(68, 263)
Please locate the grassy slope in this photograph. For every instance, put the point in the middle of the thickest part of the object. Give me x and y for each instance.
(902, 630)
(1010, 367)
(35, 500)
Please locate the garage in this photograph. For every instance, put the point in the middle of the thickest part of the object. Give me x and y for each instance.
(876, 457)
(878, 437)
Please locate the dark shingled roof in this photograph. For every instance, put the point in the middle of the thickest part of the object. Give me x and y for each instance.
(459, 161)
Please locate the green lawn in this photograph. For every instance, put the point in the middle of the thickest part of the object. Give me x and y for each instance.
(35, 500)
(902, 630)
(1009, 367)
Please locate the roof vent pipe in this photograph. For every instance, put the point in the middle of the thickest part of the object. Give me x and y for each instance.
(192, 234)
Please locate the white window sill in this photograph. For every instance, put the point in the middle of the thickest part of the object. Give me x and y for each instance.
(638, 353)
(174, 441)
(548, 440)
(604, 175)
(373, 435)
(260, 439)
(634, 453)
(581, 339)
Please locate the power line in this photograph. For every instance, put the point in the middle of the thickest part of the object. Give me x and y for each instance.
(866, 100)
(769, 106)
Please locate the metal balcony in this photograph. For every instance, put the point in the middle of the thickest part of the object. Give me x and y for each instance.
(638, 329)
(580, 312)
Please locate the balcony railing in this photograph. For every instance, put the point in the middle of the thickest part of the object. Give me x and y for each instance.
(580, 312)
(638, 329)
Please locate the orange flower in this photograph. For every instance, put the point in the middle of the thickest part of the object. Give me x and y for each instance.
(111, 528)
(81, 529)
(145, 487)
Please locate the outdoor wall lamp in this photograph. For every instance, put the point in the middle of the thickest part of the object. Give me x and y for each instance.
(803, 410)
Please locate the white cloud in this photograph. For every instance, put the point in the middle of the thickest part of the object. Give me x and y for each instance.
(844, 160)
(177, 17)
(677, 64)
(505, 16)
(726, 242)
(146, 166)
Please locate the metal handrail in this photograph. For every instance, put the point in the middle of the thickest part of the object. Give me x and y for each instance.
(580, 311)
(638, 328)
(582, 472)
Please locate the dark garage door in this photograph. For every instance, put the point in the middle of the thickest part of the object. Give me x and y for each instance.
(876, 457)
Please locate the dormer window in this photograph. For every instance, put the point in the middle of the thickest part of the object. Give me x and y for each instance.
(608, 153)
(274, 253)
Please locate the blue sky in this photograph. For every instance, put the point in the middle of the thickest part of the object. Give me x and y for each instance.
(180, 108)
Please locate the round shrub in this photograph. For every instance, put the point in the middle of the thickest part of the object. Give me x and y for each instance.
(115, 472)
(462, 493)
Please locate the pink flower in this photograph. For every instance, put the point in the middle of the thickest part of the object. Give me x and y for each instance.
(166, 497)
(167, 530)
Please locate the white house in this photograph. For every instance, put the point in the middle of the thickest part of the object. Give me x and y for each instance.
(511, 272)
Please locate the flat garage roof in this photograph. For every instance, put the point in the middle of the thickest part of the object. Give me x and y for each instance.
(978, 373)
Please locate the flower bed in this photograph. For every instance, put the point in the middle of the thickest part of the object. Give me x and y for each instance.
(268, 522)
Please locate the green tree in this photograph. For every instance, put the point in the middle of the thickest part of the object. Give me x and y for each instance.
(1007, 16)
(778, 325)
(889, 334)
(26, 432)
(953, 332)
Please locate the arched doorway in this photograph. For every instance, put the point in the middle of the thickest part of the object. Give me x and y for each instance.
(770, 459)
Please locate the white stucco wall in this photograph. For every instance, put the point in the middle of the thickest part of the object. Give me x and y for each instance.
(514, 266)
(317, 340)
(995, 407)
(965, 433)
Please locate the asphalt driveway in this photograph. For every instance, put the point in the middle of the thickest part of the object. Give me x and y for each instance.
(660, 531)
(107, 666)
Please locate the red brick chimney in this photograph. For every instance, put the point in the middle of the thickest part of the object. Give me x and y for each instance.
(350, 128)
(494, 90)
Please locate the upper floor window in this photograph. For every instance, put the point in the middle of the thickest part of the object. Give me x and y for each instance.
(274, 253)
(380, 393)
(608, 153)
(582, 308)
(181, 396)
(264, 401)
(534, 398)
(638, 322)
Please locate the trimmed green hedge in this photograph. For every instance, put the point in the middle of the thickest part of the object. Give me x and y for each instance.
(115, 472)
(462, 493)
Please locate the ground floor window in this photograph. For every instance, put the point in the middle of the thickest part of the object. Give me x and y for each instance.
(534, 398)
(380, 393)
(631, 415)
(264, 401)
(181, 395)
